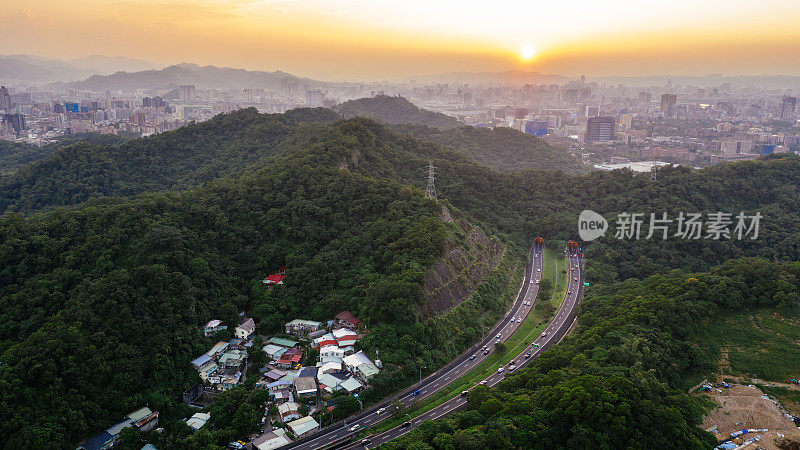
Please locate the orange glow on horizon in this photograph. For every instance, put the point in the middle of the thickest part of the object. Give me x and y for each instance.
(391, 39)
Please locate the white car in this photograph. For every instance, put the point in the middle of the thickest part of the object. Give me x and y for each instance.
(355, 427)
(380, 411)
(500, 370)
(512, 320)
(498, 336)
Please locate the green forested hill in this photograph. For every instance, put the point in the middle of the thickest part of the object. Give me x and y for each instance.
(501, 149)
(619, 379)
(394, 110)
(547, 203)
(225, 145)
(99, 303)
(14, 155)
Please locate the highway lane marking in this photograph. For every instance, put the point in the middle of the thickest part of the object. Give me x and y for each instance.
(490, 380)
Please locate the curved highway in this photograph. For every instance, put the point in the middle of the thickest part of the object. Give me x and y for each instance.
(553, 333)
(342, 432)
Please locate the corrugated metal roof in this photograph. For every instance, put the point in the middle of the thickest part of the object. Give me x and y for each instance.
(139, 414)
(350, 384)
(283, 342)
(200, 360)
(304, 425)
(115, 429)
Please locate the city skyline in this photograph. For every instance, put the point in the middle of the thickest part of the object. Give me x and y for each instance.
(355, 40)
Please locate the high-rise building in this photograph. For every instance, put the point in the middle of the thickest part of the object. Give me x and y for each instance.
(591, 111)
(788, 108)
(155, 102)
(5, 99)
(17, 122)
(668, 102)
(571, 96)
(186, 93)
(599, 129)
(625, 122)
(735, 146)
(645, 98)
(315, 98)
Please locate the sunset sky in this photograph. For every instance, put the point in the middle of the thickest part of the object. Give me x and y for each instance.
(377, 39)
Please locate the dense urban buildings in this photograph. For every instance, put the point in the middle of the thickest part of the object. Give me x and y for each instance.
(595, 120)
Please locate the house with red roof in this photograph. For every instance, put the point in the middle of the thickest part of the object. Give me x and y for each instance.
(347, 319)
(274, 279)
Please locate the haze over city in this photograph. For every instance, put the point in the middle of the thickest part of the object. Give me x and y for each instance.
(399, 225)
(369, 40)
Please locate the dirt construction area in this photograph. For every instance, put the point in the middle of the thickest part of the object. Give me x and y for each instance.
(743, 407)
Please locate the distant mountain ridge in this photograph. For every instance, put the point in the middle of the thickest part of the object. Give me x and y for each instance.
(106, 65)
(186, 73)
(35, 69)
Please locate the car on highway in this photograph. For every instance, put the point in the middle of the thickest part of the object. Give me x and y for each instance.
(472, 358)
(415, 392)
(535, 345)
(464, 393)
(544, 334)
(512, 320)
(355, 427)
(528, 355)
(365, 441)
(575, 279)
(486, 352)
(497, 341)
(406, 424)
(380, 411)
(498, 336)
(512, 368)
(500, 370)
(483, 383)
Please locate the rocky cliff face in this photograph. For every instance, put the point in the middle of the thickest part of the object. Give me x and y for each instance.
(470, 256)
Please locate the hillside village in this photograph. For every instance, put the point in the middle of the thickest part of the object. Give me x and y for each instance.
(296, 391)
(304, 368)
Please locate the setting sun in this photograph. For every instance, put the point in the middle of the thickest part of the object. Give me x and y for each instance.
(527, 52)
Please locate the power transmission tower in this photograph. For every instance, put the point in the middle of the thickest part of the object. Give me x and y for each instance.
(430, 190)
